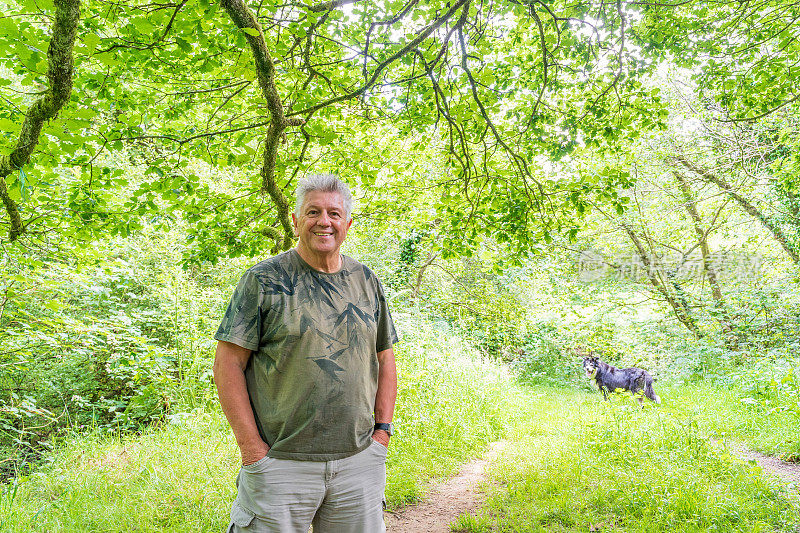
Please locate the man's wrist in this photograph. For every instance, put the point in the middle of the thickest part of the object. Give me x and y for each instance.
(384, 426)
(381, 436)
(250, 442)
(254, 452)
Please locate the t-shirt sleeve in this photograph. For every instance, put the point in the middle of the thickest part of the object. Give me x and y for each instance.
(387, 335)
(241, 324)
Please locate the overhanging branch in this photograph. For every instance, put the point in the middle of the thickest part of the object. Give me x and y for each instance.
(328, 6)
(244, 19)
(411, 45)
(59, 76)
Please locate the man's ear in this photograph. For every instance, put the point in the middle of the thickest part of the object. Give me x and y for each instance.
(294, 225)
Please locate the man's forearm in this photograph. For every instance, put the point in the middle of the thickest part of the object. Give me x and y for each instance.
(231, 384)
(387, 388)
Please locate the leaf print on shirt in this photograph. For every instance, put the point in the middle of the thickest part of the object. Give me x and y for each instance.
(312, 291)
(306, 322)
(279, 281)
(329, 367)
(335, 355)
(352, 314)
(327, 291)
(355, 321)
(331, 340)
(240, 325)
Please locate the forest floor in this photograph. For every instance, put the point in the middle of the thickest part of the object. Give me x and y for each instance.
(571, 462)
(785, 471)
(446, 499)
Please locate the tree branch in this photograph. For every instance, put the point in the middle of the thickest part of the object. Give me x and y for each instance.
(193, 137)
(59, 76)
(382, 66)
(154, 43)
(244, 19)
(765, 113)
(751, 209)
(328, 6)
(690, 203)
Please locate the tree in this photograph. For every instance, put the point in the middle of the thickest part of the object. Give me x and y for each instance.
(59, 77)
(165, 79)
(748, 206)
(742, 55)
(264, 92)
(709, 269)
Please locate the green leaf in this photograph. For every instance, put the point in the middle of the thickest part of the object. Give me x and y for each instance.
(251, 31)
(144, 26)
(85, 113)
(91, 40)
(7, 125)
(183, 44)
(54, 305)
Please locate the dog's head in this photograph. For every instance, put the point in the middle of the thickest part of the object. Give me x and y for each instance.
(590, 365)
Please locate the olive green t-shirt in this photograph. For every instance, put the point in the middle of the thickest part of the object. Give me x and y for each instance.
(315, 336)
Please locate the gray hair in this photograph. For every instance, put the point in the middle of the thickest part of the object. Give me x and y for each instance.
(325, 183)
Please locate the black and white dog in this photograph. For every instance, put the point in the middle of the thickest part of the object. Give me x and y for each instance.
(609, 379)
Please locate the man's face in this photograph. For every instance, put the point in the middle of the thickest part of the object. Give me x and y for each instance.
(322, 223)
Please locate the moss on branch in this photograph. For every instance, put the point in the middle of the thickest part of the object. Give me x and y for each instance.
(59, 76)
(244, 19)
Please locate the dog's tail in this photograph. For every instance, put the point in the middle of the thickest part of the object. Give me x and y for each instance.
(648, 390)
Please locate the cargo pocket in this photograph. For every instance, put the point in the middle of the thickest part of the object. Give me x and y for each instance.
(240, 517)
(256, 486)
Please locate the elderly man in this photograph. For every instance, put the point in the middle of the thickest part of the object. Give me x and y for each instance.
(306, 377)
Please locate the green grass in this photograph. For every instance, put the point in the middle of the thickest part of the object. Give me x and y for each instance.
(178, 478)
(723, 415)
(615, 467)
(663, 468)
(181, 477)
(451, 404)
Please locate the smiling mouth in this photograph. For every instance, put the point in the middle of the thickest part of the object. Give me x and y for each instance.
(323, 234)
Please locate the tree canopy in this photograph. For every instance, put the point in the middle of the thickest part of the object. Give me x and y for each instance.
(222, 107)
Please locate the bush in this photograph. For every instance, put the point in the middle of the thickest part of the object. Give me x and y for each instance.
(114, 339)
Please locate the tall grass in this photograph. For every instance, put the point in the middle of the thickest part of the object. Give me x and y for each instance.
(176, 478)
(772, 427)
(576, 462)
(592, 465)
(180, 476)
(451, 403)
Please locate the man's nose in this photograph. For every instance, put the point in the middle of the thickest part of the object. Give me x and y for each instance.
(324, 219)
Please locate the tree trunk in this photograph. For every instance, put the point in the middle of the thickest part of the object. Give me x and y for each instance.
(421, 273)
(708, 268)
(244, 19)
(752, 210)
(59, 77)
(678, 300)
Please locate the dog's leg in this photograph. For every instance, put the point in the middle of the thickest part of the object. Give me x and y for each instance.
(649, 392)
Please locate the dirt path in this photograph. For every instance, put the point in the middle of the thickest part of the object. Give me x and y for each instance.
(448, 499)
(445, 500)
(787, 472)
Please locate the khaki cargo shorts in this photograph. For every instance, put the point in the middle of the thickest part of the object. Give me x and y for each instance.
(284, 496)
